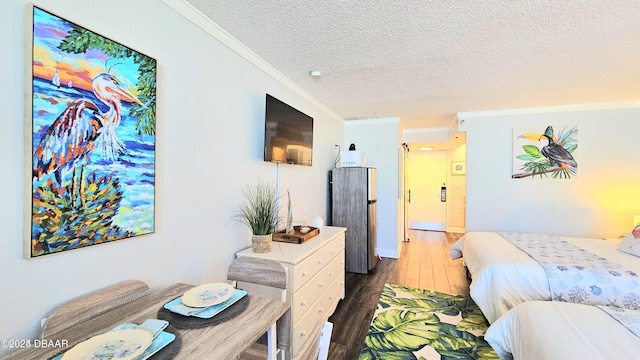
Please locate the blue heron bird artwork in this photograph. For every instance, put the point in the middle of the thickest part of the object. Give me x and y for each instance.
(546, 151)
(92, 143)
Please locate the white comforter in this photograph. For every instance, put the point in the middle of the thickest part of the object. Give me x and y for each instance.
(552, 330)
(503, 276)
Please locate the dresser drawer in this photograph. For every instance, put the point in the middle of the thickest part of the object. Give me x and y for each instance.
(324, 307)
(310, 292)
(307, 269)
(318, 311)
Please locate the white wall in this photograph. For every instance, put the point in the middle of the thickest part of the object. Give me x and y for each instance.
(456, 193)
(599, 202)
(209, 146)
(437, 134)
(379, 139)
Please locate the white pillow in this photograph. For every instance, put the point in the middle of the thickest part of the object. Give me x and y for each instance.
(630, 244)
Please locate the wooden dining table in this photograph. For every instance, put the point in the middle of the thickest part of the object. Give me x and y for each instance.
(226, 340)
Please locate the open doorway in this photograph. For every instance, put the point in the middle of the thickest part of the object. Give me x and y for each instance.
(427, 177)
(436, 186)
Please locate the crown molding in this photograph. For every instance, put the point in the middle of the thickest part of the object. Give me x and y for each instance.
(547, 109)
(195, 16)
(390, 120)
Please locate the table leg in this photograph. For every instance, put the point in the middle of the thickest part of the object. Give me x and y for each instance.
(272, 342)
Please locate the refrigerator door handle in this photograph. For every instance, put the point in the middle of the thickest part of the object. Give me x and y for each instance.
(372, 235)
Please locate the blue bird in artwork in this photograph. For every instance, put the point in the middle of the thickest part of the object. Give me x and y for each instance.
(596, 290)
(81, 128)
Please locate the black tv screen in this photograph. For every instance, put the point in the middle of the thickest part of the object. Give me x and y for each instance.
(288, 134)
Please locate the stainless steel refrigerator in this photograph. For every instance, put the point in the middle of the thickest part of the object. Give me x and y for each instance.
(353, 205)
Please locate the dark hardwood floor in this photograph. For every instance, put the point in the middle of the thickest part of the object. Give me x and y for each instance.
(424, 263)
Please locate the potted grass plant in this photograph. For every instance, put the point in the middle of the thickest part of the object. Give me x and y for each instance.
(260, 214)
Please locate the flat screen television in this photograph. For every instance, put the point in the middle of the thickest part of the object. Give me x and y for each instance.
(288, 134)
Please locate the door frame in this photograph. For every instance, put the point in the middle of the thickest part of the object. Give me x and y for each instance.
(406, 191)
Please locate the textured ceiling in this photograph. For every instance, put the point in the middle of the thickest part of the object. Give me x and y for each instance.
(423, 61)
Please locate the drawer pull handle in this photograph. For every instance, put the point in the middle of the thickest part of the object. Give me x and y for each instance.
(303, 333)
(331, 274)
(304, 273)
(303, 303)
(320, 311)
(320, 261)
(320, 285)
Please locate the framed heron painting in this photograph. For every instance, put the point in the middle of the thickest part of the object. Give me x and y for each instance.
(91, 129)
(545, 151)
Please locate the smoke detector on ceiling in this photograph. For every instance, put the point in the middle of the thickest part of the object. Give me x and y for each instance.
(315, 73)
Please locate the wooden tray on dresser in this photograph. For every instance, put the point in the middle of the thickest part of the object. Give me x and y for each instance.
(295, 237)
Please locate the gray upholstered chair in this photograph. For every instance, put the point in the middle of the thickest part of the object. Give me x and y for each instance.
(266, 278)
(86, 307)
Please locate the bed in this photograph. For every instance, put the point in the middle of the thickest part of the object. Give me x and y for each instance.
(504, 276)
(550, 330)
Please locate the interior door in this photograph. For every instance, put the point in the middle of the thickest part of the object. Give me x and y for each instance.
(427, 175)
(406, 191)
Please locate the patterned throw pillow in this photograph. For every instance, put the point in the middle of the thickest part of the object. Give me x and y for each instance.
(631, 243)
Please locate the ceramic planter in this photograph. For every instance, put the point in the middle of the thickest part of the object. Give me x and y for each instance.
(261, 243)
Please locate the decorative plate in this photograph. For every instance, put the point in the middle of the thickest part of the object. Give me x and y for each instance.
(116, 345)
(207, 295)
(177, 306)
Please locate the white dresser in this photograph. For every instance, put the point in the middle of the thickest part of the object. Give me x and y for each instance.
(315, 283)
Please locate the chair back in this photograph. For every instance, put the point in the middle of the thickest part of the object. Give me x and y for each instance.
(266, 278)
(88, 306)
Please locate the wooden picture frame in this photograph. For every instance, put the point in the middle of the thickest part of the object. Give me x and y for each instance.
(90, 134)
(458, 168)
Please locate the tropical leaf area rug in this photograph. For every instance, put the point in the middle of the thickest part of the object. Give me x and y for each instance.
(420, 324)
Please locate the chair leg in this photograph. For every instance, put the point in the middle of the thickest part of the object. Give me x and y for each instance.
(271, 341)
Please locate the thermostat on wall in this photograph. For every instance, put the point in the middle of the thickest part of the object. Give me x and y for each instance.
(352, 159)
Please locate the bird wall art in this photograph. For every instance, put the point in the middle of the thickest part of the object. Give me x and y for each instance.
(545, 152)
(92, 145)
